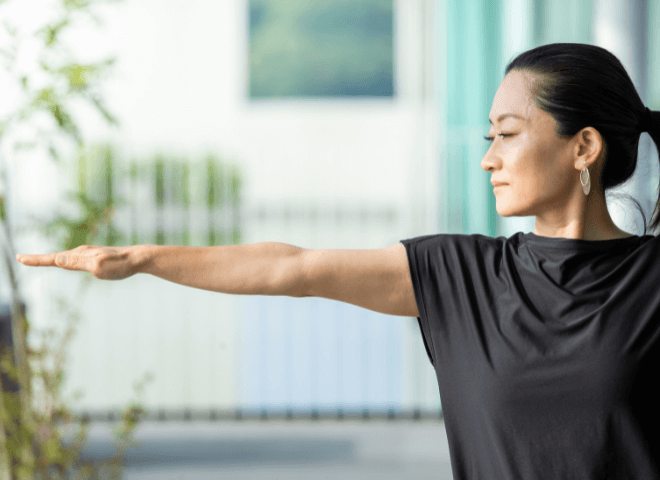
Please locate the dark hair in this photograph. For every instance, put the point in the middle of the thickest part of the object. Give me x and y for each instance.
(584, 85)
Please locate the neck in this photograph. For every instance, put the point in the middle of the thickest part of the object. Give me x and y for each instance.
(589, 219)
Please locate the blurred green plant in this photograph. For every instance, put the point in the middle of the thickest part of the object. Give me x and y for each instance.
(104, 184)
(31, 444)
(31, 441)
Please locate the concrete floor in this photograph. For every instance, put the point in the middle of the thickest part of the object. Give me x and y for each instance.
(279, 449)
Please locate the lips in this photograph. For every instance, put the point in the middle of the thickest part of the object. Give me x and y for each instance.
(497, 184)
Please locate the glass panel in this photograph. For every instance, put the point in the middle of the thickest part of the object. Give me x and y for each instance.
(321, 48)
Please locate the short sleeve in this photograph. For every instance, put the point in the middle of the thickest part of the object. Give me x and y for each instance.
(422, 274)
(454, 280)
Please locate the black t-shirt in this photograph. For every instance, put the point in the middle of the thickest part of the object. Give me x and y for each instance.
(546, 351)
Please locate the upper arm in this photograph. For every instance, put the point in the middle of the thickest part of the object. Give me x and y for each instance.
(376, 279)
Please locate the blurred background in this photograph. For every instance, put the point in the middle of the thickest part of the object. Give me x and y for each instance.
(320, 123)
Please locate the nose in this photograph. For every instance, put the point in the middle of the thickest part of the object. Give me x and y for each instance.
(488, 162)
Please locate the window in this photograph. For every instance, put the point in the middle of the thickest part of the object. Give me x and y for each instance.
(321, 48)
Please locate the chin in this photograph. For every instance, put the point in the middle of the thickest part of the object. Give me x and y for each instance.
(502, 210)
(506, 212)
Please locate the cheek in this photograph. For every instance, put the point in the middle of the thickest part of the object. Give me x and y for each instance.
(526, 184)
(530, 171)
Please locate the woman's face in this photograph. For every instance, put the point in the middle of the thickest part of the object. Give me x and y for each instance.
(539, 168)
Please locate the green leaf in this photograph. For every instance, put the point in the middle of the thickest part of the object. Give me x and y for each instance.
(45, 67)
(64, 121)
(44, 97)
(78, 75)
(107, 115)
(2, 208)
(51, 450)
(54, 154)
(76, 4)
(49, 33)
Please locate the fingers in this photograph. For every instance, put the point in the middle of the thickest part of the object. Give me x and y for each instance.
(47, 260)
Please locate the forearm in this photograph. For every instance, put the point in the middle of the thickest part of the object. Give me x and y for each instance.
(266, 268)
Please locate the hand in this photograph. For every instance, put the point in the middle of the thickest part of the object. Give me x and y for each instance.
(106, 263)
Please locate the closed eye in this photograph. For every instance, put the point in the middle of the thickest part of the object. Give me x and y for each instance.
(490, 139)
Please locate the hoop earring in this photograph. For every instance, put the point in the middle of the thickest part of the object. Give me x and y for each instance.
(586, 186)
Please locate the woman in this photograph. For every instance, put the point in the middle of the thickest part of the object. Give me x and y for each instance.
(546, 345)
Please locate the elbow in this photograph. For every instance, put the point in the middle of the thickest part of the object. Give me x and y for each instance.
(290, 278)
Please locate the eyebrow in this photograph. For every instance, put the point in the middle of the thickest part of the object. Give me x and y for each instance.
(505, 115)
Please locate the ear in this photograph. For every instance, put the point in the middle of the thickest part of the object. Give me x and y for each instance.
(589, 147)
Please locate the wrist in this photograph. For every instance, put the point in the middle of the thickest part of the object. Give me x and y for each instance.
(141, 257)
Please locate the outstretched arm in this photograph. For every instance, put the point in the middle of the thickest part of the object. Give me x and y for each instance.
(267, 268)
(376, 279)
